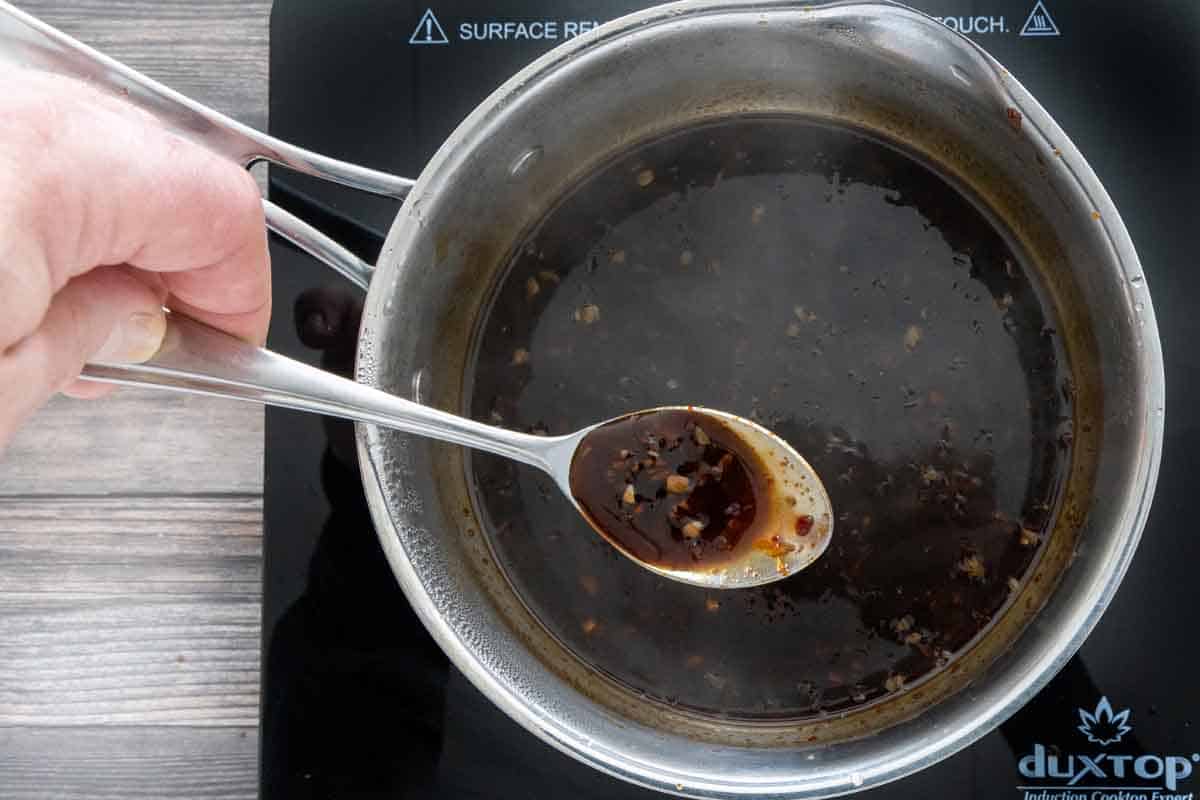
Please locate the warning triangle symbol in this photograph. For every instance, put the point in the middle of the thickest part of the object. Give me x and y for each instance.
(1039, 22)
(428, 30)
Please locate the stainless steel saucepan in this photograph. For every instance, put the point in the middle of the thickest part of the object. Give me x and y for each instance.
(879, 68)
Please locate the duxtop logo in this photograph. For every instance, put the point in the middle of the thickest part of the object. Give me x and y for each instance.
(1105, 775)
(1102, 726)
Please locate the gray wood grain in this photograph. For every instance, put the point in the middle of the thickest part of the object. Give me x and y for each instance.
(130, 528)
(119, 763)
(149, 548)
(160, 662)
(130, 611)
(137, 441)
(214, 51)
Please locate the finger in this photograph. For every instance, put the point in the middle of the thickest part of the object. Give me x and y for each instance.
(86, 180)
(80, 389)
(107, 314)
(251, 326)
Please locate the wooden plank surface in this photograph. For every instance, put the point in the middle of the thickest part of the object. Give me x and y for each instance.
(138, 441)
(121, 763)
(131, 611)
(88, 549)
(130, 528)
(214, 51)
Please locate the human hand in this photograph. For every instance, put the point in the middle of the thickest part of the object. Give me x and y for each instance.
(106, 217)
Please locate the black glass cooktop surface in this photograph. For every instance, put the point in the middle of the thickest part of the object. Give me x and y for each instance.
(357, 709)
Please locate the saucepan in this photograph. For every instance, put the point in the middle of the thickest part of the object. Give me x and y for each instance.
(612, 668)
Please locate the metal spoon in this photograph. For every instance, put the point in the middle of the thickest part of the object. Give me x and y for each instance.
(199, 359)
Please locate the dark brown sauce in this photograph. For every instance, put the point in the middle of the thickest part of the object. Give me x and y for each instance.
(848, 298)
(672, 488)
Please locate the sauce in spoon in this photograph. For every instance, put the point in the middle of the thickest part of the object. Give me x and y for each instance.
(686, 490)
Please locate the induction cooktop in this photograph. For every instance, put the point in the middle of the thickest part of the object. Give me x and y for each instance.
(358, 701)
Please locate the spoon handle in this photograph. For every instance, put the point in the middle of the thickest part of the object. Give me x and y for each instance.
(198, 359)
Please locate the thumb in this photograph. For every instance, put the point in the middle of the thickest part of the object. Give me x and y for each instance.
(107, 314)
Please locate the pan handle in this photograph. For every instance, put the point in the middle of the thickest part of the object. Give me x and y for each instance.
(29, 43)
(318, 245)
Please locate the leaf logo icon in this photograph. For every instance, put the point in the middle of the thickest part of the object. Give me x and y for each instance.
(1103, 726)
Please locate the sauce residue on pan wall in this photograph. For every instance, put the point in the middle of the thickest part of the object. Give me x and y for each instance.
(848, 298)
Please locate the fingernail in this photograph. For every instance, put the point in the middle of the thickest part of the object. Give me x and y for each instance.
(135, 340)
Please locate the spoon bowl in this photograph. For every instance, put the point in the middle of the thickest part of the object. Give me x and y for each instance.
(791, 519)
